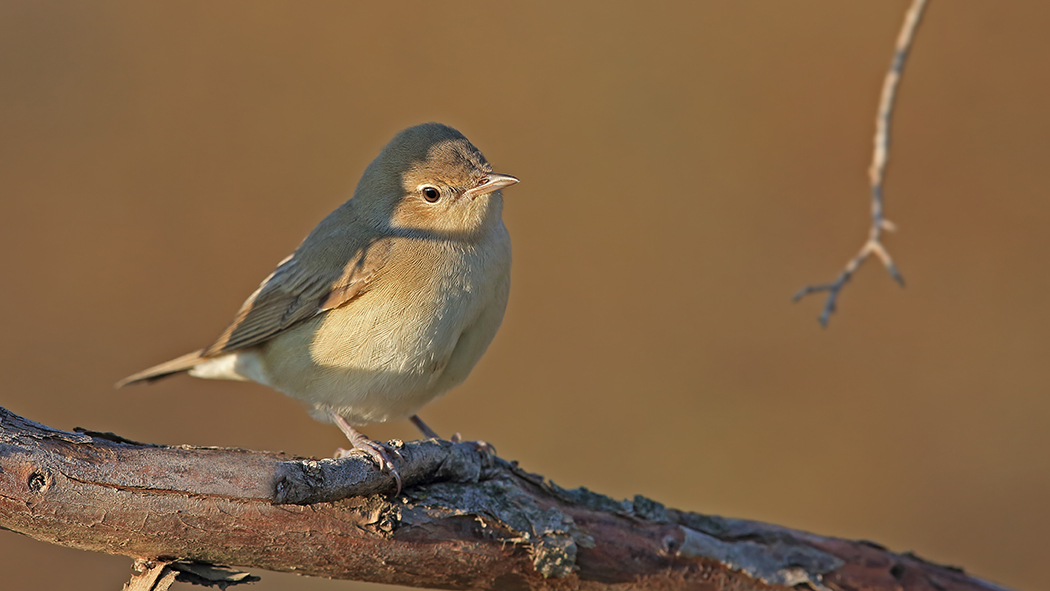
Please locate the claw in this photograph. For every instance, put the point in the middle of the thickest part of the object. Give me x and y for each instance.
(482, 446)
(379, 452)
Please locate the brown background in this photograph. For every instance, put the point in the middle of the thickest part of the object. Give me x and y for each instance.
(684, 170)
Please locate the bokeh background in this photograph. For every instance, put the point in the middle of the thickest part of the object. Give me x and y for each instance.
(685, 169)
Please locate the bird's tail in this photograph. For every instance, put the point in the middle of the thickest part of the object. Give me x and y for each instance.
(177, 365)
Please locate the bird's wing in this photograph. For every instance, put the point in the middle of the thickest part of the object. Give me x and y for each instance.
(325, 272)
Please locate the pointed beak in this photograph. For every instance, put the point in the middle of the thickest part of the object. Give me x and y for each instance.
(489, 183)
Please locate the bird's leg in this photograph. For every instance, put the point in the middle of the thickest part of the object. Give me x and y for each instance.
(456, 437)
(375, 450)
(424, 428)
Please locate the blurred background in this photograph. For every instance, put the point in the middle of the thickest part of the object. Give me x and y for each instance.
(685, 169)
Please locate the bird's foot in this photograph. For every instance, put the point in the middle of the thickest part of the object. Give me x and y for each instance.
(482, 446)
(379, 452)
(429, 433)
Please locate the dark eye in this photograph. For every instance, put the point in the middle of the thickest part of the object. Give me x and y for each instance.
(431, 194)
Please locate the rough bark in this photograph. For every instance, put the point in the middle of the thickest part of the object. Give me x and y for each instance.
(466, 520)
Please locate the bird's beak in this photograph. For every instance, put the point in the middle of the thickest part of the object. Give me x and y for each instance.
(489, 183)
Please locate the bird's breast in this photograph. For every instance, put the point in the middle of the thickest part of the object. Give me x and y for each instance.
(418, 331)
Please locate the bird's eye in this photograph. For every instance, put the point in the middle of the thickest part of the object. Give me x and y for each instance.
(431, 194)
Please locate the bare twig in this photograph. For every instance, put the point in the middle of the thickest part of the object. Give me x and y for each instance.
(465, 520)
(876, 172)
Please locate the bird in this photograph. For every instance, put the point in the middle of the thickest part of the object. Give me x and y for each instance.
(387, 304)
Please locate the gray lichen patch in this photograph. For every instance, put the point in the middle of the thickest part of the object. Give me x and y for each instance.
(648, 509)
(550, 535)
(761, 551)
(585, 497)
(709, 524)
(776, 562)
(640, 507)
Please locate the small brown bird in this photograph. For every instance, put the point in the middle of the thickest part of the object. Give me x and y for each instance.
(388, 303)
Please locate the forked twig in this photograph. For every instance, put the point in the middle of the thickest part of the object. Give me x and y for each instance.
(876, 172)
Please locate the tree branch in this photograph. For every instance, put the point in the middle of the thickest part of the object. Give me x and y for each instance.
(466, 520)
(877, 172)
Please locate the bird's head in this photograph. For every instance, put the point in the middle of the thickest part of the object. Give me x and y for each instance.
(430, 178)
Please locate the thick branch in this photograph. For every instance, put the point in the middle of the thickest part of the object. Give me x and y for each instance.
(876, 172)
(466, 520)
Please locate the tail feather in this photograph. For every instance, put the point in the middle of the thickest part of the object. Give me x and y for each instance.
(177, 365)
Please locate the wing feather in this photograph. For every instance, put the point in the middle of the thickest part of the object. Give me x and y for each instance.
(302, 286)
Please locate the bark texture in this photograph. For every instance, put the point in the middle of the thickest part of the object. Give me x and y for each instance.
(466, 520)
